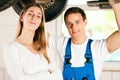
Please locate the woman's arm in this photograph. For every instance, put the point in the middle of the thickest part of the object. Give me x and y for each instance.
(12, 62)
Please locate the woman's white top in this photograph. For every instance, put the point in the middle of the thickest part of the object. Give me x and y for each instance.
(22, 64)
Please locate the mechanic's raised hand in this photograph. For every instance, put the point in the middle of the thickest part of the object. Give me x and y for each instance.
(112, 2)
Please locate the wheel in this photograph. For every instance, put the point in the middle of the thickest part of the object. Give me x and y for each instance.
(19, 5)
(52, 8)
(4, 4)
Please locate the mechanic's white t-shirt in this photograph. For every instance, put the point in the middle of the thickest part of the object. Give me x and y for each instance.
(98, 49)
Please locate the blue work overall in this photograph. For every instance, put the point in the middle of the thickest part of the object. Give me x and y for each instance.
(78, 73)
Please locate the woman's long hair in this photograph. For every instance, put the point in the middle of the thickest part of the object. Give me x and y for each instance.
(39, 40)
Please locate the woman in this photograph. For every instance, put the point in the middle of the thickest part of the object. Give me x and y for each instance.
(28, 57)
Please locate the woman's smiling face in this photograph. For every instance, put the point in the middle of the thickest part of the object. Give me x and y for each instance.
(32, 18)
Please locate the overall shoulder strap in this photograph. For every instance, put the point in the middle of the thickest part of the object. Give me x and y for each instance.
(68, 52)
(88, 53)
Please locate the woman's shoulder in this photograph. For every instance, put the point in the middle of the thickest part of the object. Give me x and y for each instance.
(9, 49)
(10, 45)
